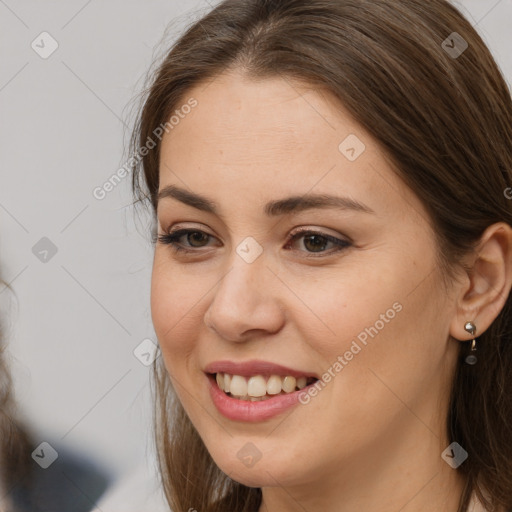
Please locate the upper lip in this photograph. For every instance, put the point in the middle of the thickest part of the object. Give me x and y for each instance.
(255, 367)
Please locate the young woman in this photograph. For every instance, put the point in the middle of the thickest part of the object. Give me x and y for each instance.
(330, 181)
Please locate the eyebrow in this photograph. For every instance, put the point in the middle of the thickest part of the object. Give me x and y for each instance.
(292, 204)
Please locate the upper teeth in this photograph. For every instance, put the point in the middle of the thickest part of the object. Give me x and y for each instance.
(257, 385)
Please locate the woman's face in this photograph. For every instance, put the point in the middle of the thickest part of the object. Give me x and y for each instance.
(363, 311)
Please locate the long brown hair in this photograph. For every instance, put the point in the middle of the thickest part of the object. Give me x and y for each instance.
(444, 120)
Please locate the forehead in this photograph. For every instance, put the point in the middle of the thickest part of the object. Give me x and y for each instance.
(270, 138)
(280, 112)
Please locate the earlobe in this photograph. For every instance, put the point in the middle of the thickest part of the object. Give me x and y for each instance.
(490, 280)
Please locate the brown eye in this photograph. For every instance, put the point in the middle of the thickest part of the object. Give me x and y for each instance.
(315, 242)
(196, 236)
(193, 237)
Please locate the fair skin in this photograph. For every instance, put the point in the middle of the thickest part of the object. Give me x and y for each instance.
(372, 438)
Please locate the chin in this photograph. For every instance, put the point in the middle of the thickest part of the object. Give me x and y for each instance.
(252, 473)
(251, 477)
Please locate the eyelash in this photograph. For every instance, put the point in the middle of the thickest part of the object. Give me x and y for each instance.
(172, 237)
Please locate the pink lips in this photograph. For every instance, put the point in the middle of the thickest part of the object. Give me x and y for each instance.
(247, 411)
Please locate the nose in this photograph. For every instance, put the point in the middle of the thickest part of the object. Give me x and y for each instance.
(246, 302)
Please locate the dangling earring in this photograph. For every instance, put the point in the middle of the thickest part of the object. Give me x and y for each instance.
(471, 358)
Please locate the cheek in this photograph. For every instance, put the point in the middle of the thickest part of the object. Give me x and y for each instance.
(389, 320)
(175, 308)
(338, 305)
(402, 357)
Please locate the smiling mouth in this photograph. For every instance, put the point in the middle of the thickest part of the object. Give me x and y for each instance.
(259, 387)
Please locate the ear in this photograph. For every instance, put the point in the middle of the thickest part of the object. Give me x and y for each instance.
(487, 284)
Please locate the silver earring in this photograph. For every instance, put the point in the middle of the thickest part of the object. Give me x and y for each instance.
(471, 358)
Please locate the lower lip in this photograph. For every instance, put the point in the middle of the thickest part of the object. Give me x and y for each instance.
(245, 410)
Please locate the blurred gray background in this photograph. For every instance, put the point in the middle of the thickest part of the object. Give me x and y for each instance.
(79, 266)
